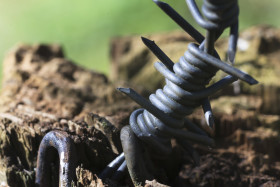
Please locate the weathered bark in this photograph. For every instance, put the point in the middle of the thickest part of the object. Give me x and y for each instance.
(43, 91)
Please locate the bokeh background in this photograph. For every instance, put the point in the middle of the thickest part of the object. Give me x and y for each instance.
(84, 28)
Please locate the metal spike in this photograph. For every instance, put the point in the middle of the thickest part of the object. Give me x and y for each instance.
(112, 166)
(232, 43)
(208, 113)
(221, 65)
(231, 56)
(209, 117)
(159, 53)
(120, 172)
(180, 21)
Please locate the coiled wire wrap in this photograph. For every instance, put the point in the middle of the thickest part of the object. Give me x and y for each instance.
(177, 99)
(162, 117)
(220, 14)
(185, 85)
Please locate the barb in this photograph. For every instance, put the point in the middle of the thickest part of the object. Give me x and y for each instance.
(159, 53)
(180, 21)
(116, 168)
(221, 65)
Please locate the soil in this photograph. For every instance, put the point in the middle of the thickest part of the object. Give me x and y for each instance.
(43, 91)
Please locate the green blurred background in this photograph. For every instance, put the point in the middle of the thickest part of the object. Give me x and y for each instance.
(85, 27)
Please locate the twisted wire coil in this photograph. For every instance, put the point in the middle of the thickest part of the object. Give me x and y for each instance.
(185, 83)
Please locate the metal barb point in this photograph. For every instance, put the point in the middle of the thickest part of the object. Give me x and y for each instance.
(115, 169)
(159, 53)
(231, 56)
(186, 26)
(124, 90)
(221, 65)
